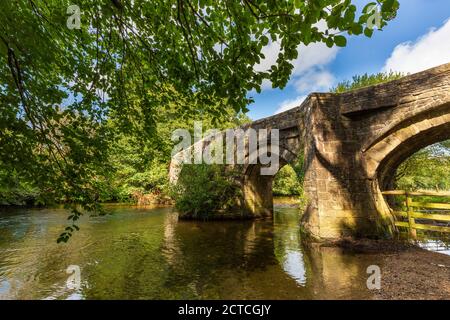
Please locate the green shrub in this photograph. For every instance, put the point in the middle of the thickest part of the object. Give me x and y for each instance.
(286, 182)
(203, 191)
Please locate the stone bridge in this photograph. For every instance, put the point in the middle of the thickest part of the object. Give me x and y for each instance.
(352, 144)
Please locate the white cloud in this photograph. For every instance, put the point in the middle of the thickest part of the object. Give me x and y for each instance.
(313, 57)
(316, 79)
(270, 56)
(430, 50)
(308, 56)
(309, 73)
(289, 104)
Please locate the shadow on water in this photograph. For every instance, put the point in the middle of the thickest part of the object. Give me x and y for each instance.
(148, 254)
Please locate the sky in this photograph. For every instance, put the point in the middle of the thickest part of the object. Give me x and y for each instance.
(417, 39)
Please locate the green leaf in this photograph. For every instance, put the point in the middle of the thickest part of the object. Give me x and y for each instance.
(329, 42)
(388, 5)
(124, 91)
(298, 4)
(340, 41)
(368, 32)
(357, 29)
(264, 40)
(368, 6)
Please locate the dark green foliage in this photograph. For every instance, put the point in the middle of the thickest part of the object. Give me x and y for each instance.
(289, 181)
(141, 166)
(204, 191)
(16, 190)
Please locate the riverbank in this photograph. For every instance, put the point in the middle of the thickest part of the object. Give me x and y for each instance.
(415, 273)
(407, 271)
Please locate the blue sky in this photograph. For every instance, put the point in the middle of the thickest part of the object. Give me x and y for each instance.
(418, 38)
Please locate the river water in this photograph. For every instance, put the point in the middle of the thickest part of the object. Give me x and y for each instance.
(146, 253)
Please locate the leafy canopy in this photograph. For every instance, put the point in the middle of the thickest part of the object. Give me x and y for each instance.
(60, 87)
(204, 48)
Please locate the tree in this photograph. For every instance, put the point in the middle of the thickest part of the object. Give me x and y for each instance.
(60, 86)
(287, 183)
(427, 169)
(366, 80)
(140, 166)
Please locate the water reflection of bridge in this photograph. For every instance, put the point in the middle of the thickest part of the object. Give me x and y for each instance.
(260, 259)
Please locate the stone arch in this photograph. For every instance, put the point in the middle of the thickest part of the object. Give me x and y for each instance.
(257, 190)
(399, 142)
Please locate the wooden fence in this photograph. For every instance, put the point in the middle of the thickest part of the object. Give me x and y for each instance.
(416, 209)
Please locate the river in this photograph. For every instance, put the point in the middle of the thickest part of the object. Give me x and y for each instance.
(146, 253)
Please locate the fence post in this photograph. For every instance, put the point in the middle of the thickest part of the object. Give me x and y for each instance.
(411, 220)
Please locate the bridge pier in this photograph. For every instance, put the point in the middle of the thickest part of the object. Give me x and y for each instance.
(257, 191)
(343, 200)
